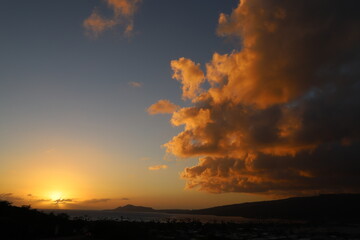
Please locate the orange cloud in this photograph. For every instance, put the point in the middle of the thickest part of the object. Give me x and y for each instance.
(123, 7)
(157, 167)
(96, 200)
(135, 84)
(276, 113)
(96, 24)
(162, 107)
(124, 11)
(190, 76)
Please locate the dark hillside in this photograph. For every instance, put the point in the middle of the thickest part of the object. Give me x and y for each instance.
(326, 207)
(26, 223)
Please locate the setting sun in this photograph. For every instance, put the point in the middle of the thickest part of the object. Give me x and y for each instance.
(54, 196)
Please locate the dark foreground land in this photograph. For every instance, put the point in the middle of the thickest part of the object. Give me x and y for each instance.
(27, 223)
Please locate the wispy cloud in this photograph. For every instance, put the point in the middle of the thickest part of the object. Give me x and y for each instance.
(71, 203)
(157, 167)
(10, 197)
(123, 14)
(135, 84)
(162, 107)
(96, 24)
(63, 200)
(96, 200)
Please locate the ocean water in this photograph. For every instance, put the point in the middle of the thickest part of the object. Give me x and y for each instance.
(144, 216)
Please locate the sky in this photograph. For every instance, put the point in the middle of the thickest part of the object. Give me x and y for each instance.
(177, 104)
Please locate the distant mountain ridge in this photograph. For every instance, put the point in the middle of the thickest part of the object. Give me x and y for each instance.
(327, 206)
(132, 208)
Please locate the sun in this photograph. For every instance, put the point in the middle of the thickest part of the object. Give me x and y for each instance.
(55, 196)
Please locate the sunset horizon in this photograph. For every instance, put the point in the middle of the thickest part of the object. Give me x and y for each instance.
(178, 104)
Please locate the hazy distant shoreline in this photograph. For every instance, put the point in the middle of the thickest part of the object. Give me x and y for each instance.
(143, 216)
(324, 207)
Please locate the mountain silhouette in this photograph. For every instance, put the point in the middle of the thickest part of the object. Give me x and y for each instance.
(132, 208)
(325, 206)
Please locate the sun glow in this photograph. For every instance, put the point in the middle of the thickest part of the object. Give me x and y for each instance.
(55, 196)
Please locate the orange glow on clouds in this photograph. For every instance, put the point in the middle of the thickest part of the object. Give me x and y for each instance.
(261, 124)
(158, 167)
(124, 11)
(162, 107)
